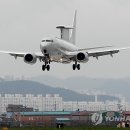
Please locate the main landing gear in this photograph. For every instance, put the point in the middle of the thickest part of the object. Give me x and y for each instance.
(76, 66)
(46, 66)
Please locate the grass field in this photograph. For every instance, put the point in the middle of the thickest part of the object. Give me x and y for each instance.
(69, 128)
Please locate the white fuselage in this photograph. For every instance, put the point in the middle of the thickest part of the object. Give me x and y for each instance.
(55, 47)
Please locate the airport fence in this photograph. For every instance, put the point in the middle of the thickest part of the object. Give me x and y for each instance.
(53, 124)
(69, 128)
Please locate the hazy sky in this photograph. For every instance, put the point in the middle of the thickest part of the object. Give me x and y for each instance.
(23, 23)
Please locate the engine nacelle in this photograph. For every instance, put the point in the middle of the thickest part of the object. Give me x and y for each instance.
(30, 58)
(82, 57)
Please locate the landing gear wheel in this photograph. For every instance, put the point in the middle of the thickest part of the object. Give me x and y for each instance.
(48, 67)
(74, 66)
(46, 60)
(43, 67)
(78, 66)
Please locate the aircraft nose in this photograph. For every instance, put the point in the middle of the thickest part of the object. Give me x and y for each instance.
(44, 46)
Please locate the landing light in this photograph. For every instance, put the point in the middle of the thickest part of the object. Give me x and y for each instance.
(61, 60)
(51, 59)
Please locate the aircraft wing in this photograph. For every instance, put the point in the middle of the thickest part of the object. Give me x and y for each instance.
(93, 52)
(22, 54)
(86, 49)
(109, 51)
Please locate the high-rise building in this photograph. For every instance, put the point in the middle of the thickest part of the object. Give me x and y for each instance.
(39, 102)
(54, 102)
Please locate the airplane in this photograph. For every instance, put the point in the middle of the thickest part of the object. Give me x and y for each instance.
(64, 50)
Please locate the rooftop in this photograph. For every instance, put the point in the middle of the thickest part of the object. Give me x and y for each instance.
(46, 113)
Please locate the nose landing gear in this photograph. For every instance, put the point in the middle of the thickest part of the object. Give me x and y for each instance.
(47, 61)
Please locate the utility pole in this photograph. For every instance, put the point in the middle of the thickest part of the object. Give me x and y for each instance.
(55, 106)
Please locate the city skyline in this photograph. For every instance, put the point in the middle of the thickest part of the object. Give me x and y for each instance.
(55, 102)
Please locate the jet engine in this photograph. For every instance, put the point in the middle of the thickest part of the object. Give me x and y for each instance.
(82, 57)
(30, 58)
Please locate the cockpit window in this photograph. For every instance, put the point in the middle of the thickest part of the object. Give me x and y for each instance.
(47, 40)
(43, 40)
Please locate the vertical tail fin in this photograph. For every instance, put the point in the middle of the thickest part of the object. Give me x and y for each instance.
(73, 35)
(65, 31)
